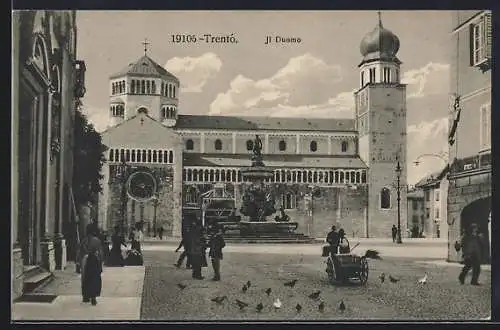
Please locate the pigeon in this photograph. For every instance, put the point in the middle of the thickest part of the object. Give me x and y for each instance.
(219, 300)
(268, 291)
(393, 280)
(291, 283)
(321, 307)
(259, 307)
(315, 295)
(241, 304)
(181, 286)
(298, 308)
(277, 303)
(248, 284)
(373, 254)
(244, 289)
(423, 280)
(342, 306)
(382, 277)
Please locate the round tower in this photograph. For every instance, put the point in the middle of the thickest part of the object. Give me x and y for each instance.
(144, 86)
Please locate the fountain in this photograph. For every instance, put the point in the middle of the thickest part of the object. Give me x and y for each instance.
(258, 201)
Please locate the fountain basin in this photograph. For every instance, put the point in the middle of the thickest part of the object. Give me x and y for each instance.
(255, 173)
(251, 228)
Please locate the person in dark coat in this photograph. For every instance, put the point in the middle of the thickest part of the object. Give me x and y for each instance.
(196, 249)
(472, 250)
(184, 243)
(333, 239)
(117, 241)
(90, 258)
(216, 243)
(394, 232)
(160, 232)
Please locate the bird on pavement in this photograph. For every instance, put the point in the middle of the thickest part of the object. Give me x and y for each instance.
(423, 280)
(382, 277)
(259, 307)
(315, 295)
(321, 307)
(219, 300)
(277, 303)
(393, 280)
(241, 304)
(181, 286)
(244, 289)
(298, 307)
(249, 284)
(373, 254)
(342, 306)
(291, 283)
(268, 291)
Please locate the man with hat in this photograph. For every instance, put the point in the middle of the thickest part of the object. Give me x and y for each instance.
(216, 245)
(472, 248)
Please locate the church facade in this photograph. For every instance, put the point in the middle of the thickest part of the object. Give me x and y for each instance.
(326, 171)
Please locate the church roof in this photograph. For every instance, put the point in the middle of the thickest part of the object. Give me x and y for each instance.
(276, 161)
(144, 67)
(264, 123)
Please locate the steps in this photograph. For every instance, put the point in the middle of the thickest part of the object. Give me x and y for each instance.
(34, 278)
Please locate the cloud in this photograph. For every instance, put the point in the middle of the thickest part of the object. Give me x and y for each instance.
(303, 84)
(194, 72)
(428, 137)
(432, 78)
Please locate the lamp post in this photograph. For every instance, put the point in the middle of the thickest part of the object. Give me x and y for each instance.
(155, 206)
(442, 156)
(398, 174)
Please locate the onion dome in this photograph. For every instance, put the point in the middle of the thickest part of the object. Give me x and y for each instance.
(379, 44)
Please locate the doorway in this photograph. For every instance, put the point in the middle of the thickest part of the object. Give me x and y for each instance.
(478, 212)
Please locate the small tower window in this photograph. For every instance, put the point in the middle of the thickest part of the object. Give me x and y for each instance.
(153, 87)
(148, 90)
(344, 145)
(397, 75)
(385, 198)
(169, 90)
(143, 87)
(372, 75)
(173, 92)
(162, 88)
(282, 145)
(387, 75)
(218, 144)
(362, 78)
(189, 144)
(313, 146)
(133, 87)
(249, 145)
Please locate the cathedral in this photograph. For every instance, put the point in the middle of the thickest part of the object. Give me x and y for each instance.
(326, 171)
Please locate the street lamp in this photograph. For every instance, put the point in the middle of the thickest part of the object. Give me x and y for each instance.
(443, 157)
(399, 170)
(155, 206)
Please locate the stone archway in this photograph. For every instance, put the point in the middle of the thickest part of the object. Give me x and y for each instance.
(478, 212)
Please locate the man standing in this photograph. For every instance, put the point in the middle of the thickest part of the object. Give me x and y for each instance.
(394, 233)
(216, 245)
(333, 239)
(472, 246)
(196, 249)
(160, 232)
(184, 243)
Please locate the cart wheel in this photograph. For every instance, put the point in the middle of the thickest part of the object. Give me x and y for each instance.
(331, 271)
(363, 274)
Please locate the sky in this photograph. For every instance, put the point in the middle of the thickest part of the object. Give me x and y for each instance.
(313, 78)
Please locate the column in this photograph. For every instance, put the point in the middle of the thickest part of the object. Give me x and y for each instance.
(234, 143)
(297, 151)
(202, 143)
(329, 145)
(266, 143)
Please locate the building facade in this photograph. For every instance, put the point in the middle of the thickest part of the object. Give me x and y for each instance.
(435, 191)
(320, 167)
(45, 77)
(469, 193)
(416, 212)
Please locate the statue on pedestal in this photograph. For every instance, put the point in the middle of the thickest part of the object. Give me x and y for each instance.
(257, 152)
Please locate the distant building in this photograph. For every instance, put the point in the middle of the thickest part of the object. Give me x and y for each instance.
(469, 195)
(46, 80)
(435, 191)
(166, 159)
(415, 211)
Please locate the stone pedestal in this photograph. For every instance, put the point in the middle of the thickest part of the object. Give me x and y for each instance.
(48, 255)
(60, 253)
(17, 273)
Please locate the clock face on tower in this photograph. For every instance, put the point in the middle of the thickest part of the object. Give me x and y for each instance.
(141, 186)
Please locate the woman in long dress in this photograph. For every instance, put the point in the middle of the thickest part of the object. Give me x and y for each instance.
(90, 257)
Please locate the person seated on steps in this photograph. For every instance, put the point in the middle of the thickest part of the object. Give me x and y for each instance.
(283, 217)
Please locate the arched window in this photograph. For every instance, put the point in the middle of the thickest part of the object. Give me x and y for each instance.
(344, 146)
(165, 156)
(189, 144)
(133, 155)
(191, 195)
(149, 156)
(148, 90)
(162, 88)
(288, 201)
(112, 89)
(282, 145)
(249, 145)
(127, 155)
(173, 92)
(169, 90)
(111, 155)
(313, 146)
(153, 87)
(171, 157)
(143, 87)
(363, 177)
(142, 110)
(385, 198)
(132, 86)
(154, 156)
(218, 144)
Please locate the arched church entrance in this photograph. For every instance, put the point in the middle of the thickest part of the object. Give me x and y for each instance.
(478, 212)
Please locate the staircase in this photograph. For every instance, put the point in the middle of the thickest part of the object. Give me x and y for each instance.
(34, 278)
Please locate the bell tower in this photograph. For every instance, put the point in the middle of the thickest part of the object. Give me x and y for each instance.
(381, 124)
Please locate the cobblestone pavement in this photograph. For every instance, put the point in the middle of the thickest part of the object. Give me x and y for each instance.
(120, 297)
(442, 298)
